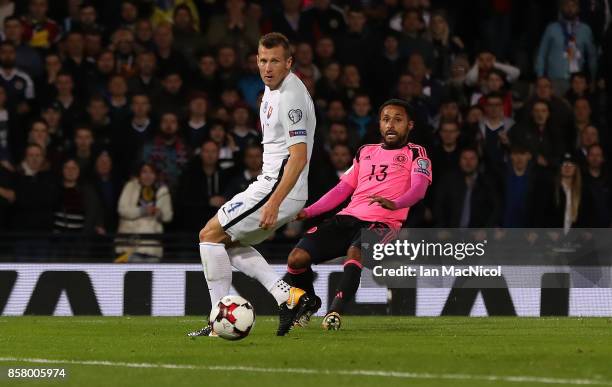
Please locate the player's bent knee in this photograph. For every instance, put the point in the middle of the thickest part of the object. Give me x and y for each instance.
(298, 259)
(212, 232)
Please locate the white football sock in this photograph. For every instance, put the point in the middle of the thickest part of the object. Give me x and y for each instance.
(217, 270)
(252, 263)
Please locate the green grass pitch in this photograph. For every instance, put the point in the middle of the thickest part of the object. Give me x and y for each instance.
(368, 351)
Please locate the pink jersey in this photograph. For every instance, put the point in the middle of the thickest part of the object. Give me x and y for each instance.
(387, 173)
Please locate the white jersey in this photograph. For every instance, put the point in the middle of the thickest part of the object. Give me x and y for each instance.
(287, 117)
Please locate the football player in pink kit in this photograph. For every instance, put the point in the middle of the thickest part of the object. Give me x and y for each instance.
(385, 180)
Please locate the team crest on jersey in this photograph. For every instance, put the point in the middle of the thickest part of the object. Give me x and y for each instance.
(269, 112)
(19, 85)
(295, 115)
(400, 159)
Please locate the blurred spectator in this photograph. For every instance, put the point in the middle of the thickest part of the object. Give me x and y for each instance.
(328, 87)
(445, 153)
(456, 86)
(72, 107)
(39, 31)
(303, 63)
(39, 135)
(560, 110)
(167, 151)
(341, 159)
(83, 151)
(172, 96)
(495, 84)
(93, 45)
(168, 58)
(27, 58)
(61, 136)
(596, 188)
(107, 185)
(234, 28)
(589, 136)
(145, 81)
(561, 206)
(187, 39)
(226, 143)
(200, 192)
(386, 68)
(143, 34)
(228, 66)
(17, 84)
(466, 198)
(579, 88)
(75, 62)
(358, 44)
(362, 122)
(322, 18)
(88, 20)
(7, 9)
(123, 43)
(7, 133)
(448, 111)
(118, 103)
(446, 46)
(485, 63)
(99, 121)
(98, 78)
(582, 119)
(196, 125)
(250, 83)
(144, 206)
(325, 51)
(45, 86)
(351, 82)
(130, 137)
(566, 47)
(207, 78)
(519, 189)
(33, 212)
(78, 209)
(431, 88)
(540, 135)
(288, 20)
(251, 168)
(494, 133)
(412, 39)
(339, 135)
(7, 197)
(243, 132)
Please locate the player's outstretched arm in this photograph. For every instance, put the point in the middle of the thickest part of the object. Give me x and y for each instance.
(298, 157)
(409, 198)
(332, 199)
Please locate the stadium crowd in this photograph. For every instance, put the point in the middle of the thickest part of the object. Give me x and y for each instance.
(139, 116)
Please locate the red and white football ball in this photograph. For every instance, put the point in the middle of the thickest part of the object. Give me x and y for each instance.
(232, 318)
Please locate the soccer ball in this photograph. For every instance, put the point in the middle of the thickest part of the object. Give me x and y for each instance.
(232, 318)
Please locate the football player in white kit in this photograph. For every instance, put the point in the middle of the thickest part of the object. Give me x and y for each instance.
(288, 124)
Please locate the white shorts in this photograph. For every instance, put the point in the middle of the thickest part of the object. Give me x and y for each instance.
(241, 215)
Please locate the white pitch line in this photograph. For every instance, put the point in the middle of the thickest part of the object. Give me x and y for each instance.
(387, 374)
